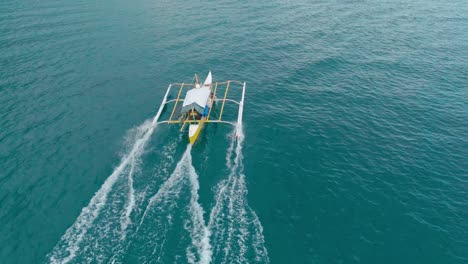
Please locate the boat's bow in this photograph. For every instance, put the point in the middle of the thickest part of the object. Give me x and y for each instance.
(208, 80)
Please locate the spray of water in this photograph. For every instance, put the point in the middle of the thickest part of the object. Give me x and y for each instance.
(161, 206)
(165, 199)
(125, 220)
(199, 232)
(232, 222)
(163, 202)
(170, 188)
(68, 246)
(69, 243)
(233, 227)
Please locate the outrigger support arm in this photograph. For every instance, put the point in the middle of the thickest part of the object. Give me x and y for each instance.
(239, 114)
(155, 120)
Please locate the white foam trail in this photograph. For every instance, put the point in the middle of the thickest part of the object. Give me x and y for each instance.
(231, 219)
(261, 252)
(243, 233)
(222, 197)
(223, 186)
(171, 186)
(165, 199)
(200, 233)
(140, 197)
(74, 234)
(126, 221)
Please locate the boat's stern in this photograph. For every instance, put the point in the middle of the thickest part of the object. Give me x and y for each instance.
(194, 131)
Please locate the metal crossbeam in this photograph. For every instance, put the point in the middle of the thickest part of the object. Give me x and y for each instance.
(185, 122)
(173, 121)
(212, 104)
(231, 81)
(224, 101)
(220, 121)
(173, 100)
(229, 100)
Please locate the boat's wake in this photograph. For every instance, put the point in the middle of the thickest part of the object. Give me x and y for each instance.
(114, 228)
(237, 233)
(151, 235)
(93, 235)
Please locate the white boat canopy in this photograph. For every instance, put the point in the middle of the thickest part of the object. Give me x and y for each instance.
(196, 98)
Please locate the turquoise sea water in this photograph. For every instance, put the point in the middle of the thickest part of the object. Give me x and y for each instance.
(355, 125)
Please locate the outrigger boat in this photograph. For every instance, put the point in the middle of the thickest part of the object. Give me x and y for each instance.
(198, 104)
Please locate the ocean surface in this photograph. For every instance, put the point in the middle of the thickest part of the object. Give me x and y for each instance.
(354, 145)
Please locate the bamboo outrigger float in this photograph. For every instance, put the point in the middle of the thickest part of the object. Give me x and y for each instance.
(198, 104)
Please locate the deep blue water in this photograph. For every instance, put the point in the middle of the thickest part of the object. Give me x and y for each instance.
(355, 130)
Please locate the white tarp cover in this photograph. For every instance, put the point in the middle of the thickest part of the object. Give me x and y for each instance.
(196, 98)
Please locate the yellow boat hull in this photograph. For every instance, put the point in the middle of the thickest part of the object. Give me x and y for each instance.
(194, 131)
